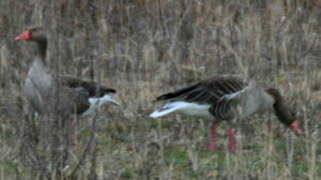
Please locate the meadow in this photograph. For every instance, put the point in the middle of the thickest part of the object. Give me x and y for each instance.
(144, 48)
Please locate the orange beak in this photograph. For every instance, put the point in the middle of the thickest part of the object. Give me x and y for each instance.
(26, 35)
(295, 127)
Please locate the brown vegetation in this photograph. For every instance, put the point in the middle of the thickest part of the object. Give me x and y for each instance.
(144, 48)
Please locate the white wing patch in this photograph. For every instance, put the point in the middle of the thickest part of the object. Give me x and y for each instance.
(193, 109)
(97, 102)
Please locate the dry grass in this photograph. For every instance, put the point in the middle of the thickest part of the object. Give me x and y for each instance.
(144, 48)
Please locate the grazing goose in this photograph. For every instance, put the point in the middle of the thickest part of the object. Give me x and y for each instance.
(226, 98)
(67, 94)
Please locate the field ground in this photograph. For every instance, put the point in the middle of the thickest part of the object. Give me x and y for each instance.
(145, 48)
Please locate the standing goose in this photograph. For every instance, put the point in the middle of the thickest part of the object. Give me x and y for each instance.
(226, 98)
(42, 88)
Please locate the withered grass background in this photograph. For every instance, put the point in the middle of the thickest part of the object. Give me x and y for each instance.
(144, 48)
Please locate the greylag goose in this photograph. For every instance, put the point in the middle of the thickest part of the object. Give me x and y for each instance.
(42, 87)
(226, 98)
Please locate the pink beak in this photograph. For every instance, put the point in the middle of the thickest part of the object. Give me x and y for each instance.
(26, 35)
(295, 127)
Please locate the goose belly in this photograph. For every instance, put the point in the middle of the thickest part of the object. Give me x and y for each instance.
(198, 110)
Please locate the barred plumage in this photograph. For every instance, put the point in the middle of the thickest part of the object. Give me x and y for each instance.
(226, 98)
(214, 91)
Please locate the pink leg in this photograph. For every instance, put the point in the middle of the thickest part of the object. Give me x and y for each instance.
(212, 137)
(231, 144)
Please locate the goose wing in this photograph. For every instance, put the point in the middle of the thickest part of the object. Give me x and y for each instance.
(221, 92)
(210, 91)
(93, 88)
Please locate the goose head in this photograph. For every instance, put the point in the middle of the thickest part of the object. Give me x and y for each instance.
(37, 35)
(32, 34)
(283, 112)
